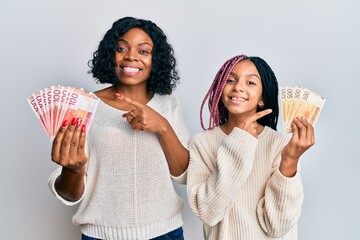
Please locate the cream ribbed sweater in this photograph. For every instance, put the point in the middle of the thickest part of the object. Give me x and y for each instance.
(235, 187)
(129, 191)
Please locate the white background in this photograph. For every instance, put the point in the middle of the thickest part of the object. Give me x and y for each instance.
(310, 43)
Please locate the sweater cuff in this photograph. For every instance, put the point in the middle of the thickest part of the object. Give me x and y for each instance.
(181, 179)
(51, 181)
(283, 181)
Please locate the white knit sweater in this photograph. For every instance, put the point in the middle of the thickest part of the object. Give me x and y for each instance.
(235, 187)
(129, 192)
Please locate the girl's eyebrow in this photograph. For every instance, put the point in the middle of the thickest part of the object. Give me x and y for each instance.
(254, 75)
(233, 74)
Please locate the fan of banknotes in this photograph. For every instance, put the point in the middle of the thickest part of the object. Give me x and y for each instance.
(299, 101)
(55, 104)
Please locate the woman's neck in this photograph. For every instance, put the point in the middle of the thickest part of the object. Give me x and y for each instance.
(136, 93)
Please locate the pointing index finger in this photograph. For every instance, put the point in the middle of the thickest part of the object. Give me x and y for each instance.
(261, 114)
(131, 102)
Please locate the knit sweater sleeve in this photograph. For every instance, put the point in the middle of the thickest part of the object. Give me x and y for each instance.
(55, 174)
(279, 209)
(51, 182)
(212, 190)
(178, 124)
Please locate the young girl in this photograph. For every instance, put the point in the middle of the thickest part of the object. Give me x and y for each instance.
(243, 181)
(121, 171)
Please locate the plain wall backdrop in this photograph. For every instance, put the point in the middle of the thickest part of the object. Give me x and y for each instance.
(309, 43)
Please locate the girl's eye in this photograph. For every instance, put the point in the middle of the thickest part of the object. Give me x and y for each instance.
(230, 81)
(251, 83)
(121, 49)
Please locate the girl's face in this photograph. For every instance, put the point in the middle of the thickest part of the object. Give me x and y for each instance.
(133, 58)
(243, 90)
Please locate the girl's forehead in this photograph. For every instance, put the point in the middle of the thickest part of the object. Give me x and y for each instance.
(245, 66)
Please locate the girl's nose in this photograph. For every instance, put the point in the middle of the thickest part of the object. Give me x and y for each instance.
(238, 87)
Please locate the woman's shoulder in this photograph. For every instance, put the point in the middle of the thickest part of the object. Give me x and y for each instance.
(102, 93)
(169, 98)
(165, 102)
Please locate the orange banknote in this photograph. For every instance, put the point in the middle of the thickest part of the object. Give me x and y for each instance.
(299, 101)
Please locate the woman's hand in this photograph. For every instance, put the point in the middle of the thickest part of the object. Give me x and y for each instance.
(301, 140)
(68, 149)
(143, 117)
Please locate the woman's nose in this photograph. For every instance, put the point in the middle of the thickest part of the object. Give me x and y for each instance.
(131, 56)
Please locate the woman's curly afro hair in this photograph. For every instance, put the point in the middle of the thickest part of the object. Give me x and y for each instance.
(164, 75)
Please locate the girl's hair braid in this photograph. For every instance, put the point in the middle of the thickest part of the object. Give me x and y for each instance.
(269, 93)
(219, 113)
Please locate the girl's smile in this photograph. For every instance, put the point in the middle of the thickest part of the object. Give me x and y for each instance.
(237, 99)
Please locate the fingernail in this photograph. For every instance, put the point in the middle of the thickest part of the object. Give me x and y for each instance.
(73, 121)
(83, 127)
(124, 115)
(119, 95)
(78, 123)
(65, 123)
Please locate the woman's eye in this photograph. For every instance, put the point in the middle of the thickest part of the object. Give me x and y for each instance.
(121, 49)
(144, 52)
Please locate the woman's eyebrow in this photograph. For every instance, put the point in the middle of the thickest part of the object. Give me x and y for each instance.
(145, 43)
(122, 40)
(139, 44)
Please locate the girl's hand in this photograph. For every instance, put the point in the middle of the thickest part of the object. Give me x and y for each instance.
(143, 117)
(301, 140)
(250, 125)
(68, 149)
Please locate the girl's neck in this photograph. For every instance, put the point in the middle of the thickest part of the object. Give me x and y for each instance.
(238, 122)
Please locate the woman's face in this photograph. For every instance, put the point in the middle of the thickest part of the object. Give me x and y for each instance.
(243, 91)
(133, 58)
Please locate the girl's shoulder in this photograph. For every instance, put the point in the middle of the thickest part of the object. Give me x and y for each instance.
(274, 136)
(209, 135)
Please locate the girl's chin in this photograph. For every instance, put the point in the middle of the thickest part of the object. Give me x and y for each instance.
(241, 112)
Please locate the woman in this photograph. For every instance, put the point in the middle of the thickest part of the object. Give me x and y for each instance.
(121, 171)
